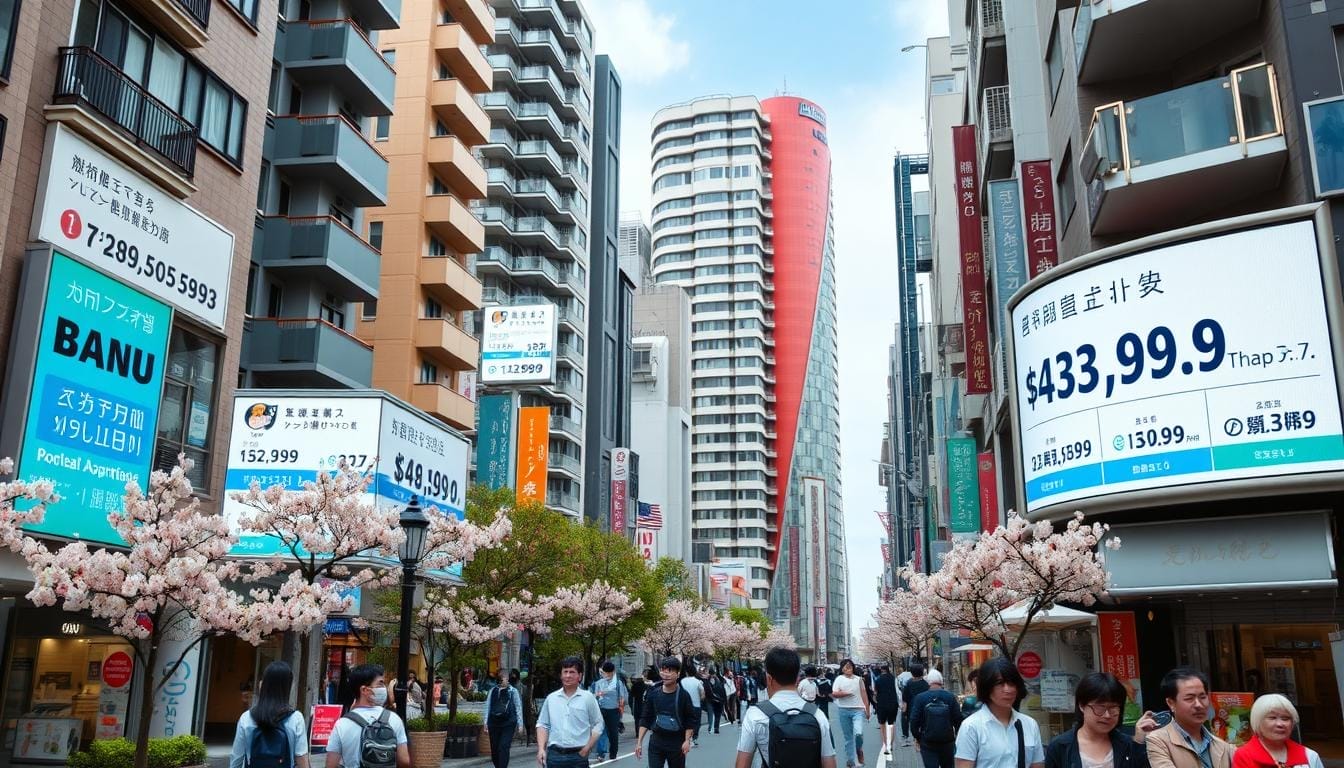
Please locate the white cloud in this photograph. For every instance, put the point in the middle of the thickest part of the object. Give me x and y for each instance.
(643, 45)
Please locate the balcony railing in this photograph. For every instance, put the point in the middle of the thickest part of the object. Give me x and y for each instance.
(996, 120)
(197, 9)
(87, 78)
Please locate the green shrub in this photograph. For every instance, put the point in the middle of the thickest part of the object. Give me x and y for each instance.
(420, 724)
(176, 752)
(463, 718)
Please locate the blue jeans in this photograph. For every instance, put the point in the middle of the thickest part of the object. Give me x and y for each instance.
(573, 760)
(852, 723)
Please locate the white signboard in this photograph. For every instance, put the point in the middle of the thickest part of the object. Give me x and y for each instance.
(94, 207)
(814, 504)
(287, 439)
(1190, 363)
(518, 344)
(646, 541)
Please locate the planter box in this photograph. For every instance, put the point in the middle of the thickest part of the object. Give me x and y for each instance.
(427, 748)
(463, 741)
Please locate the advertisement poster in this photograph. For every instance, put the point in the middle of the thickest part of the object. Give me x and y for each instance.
(1005, 229)
(963, 485)
(814, 506)
(726, 580)
(1231, 716)
(1282, 677)
(534, 434)
(518, 344)
(494, 441)
(1057, 687)
(975, 317)
(646, 541)
(325, 717)
(1038, 203)
(46, 739)
(990, 517)
(114, 696)
(620, 491)
(1119, 641)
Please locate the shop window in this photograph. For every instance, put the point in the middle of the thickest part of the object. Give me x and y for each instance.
(186, 414)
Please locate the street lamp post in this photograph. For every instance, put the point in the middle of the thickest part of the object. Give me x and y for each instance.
(416, 527)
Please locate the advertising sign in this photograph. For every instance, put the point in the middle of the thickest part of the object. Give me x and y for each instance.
(795, 566)
(518, 344)
(1231, 715)
(324, 719)
(175, 698)
(963, 486)
(820, 622)
(1120, 656)
(646, 541)
(726, 579)
(1038, 200)
(287, 437)
(620, 493)
(93, 405)
(1178, 365)
(1005, 229)
(989, 491)
(814, 505)
(96, 208)
(534, 432)
(494, 441)
(971, 236)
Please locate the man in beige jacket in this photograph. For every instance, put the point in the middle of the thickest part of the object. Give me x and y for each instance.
(1185, 742)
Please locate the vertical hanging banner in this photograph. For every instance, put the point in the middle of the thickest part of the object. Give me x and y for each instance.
(972, 239)
(990, 518)
(963, 486)
(534, 432)
(795, 565)
(646, 541)
(494, 441)
(1120, 657)
(821, 631)
(814, 501)
(1038, 202)
(620, 492)
(1005, 230)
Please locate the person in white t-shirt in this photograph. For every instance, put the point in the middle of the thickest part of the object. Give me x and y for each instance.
(370, 687)
(271, 711)
(781, 683)
(695, 687)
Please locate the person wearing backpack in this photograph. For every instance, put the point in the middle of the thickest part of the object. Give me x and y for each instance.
(503, 716)
(271, 734)
(666, 716)
(934, 719)
(612, 696)
(787, 731)
(369, 735)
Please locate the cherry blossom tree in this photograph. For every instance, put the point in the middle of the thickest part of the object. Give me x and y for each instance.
(775, 637)
(591, 612)
(683, 630)
(1020, 562)
(329, 536)
(35, 495)
(904, 626)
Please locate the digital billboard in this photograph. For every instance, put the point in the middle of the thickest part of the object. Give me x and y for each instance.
(518, 344)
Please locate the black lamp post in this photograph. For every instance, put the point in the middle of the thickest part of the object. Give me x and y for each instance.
(416, 526)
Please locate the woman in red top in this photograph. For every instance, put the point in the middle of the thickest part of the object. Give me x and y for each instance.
(1273, 718)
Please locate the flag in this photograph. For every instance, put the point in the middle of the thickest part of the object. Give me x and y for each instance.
(649, 516)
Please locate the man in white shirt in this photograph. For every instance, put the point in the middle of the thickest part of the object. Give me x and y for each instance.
(781, 682)
(696, 689)
(344, 746)
(569, 722)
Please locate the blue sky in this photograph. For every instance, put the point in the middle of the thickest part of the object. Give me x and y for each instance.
(846, 57)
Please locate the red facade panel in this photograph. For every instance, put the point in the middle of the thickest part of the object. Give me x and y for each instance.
(801, 168)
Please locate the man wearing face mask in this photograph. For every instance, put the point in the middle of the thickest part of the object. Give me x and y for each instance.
(370, 695)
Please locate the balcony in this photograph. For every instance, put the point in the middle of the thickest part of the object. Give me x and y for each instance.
(988, 55)
(1122, 39)
(475, 15)
(569, 389)
(564, 502)
(377, 14)
(452, 162)
(568, 353)
(322, 250)
(447, 280)
(124, 117)
(540, 44)
(304, 352)
(457, 108)
(464, 58)
(1209, 145)
(439, 339)
(572, 319)
(185, 21)
(996, 133)
(445, 403)
(329, 149)
(336, 52)
(568, 426)
(559, 462)
(454, 223)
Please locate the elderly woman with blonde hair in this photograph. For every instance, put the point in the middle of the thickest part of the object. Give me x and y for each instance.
(1273, 718)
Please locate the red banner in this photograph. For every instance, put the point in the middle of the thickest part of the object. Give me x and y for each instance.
(620, 477)
(974, 316)
(324, 719)
(1038, 210)
(989, 492)
(795, 565)
(1120, 656)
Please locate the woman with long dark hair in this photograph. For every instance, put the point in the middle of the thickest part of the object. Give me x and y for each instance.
(997, 735)
(272, 734)
(1096, 741)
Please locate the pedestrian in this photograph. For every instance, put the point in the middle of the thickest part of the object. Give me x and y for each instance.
(887, 706)
(748, 692)
(569, 721)
(913, 687)
(1186, 742)
(271, 734)
(415, 696)
(934, 719)
(439, 698)
(730, 703)
(666, 716)
(639, 688)
(1273, 718)
(612, 696)
(367, 722)
(503, 718)
(824, 690)
(696, 689)
(783, 704)
(998, 736)
(718, 697)
(1096, 740)
(807, 687)
(969, 701)
(854, 710)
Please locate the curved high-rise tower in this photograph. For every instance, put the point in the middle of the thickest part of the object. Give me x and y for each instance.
(742, 219)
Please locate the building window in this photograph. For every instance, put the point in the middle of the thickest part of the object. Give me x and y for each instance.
(376, 234)
(433, 309)
(429, 373)
(248, 8)
(275, 300)
(1064, 190)
(9, 25)
(440, 129)
(382, 128)
(185, 414)
(4, 124)
(250, 300)
(437, 187)
(273, 95)
(443, 71)
(263, 185)
(1054, 62)
(369, 310)
(436, 247)
(332, 314)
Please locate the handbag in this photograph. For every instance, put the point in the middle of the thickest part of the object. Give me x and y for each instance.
(665, 723)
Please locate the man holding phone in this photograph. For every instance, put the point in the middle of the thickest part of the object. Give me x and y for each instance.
(1185, 742)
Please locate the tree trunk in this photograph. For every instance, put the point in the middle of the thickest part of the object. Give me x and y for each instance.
(304, 673)
(452, 692)
(147, 700)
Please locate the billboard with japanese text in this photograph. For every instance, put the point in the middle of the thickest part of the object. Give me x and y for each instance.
(518, 344)
(1005, 228)
(1119, 641)
(1038, 204)
(972, 260)
(494, 441)
(963, 483)
(534, 433)
(1202, 359)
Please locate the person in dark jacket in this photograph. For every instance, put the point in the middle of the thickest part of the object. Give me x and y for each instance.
(669, 716)
(718, 698)
(638, 687)
(936, 750)
(824, 691)
(916, 686)
(1097, 740)
(888, 706)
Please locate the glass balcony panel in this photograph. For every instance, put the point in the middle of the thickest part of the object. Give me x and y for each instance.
(1177, 123)
(1258, 100)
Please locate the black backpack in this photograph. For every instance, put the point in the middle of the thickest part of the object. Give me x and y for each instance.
(377, 741)
(270, 748)
(500, 707)
(795, 736)
(938, 722)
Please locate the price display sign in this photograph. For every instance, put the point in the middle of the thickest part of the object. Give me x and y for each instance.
(518, 344)
(1177, 366)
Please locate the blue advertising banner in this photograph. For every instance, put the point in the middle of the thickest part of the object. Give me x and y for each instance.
(1005, 232)
(494, 443)
(94, 404)
(963, 484)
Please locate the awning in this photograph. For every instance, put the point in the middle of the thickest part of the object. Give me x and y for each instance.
(969, 647)
(1055, 617)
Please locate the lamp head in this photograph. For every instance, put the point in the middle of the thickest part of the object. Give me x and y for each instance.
(416, 526)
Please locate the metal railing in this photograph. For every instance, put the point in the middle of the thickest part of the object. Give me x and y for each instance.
(87, 78)
(198, 10)
(996, 119)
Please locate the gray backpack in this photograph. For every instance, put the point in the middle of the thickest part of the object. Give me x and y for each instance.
(377, 741)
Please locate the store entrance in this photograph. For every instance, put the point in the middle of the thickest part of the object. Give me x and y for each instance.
(235, 672)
